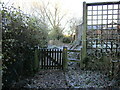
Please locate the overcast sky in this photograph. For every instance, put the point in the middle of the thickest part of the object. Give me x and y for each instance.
(74, 7)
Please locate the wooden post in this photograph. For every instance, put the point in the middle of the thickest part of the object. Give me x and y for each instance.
(36, 60)
(83, 53)
(84, 30)
(64, 58)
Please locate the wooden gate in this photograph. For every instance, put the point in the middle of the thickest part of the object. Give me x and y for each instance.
(51, 59)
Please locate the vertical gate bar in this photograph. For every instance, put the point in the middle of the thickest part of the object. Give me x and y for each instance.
(39, 56)
(84, 30)
(57, 55)
(47, 59)
(50, 60)
(48, 52)
(42, 55)
(52, 57)
(60, 59)
(44, 58)
(55, 59)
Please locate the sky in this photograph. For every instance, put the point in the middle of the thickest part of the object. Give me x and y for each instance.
(73, 7)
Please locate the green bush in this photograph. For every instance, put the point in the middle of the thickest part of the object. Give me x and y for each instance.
(20, 34)
(66, 39)
(102, 64)
(56, 33)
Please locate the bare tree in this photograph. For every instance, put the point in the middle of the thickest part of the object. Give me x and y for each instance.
(73, 23)
(50, 15)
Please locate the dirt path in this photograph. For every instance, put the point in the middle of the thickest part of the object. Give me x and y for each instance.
(45, 79)
(49, 79)
(72, 78)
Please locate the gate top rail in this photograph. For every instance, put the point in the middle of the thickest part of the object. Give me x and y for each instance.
(102, 3)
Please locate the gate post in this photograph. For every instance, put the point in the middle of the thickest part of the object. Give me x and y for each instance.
(64, 58)
(84, 30)
(84, 46)
(36, 60)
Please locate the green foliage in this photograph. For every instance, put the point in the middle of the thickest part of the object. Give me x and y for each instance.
(20, 34)
(102, 64)
(56, 34)
(66, 39)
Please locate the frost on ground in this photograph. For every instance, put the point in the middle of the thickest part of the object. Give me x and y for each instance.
(45, 79)
(77, 78)
(71, 78)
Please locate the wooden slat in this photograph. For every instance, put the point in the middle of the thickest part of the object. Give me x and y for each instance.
(47, 60)
(55, 58)
(42, 58)
(58, 55)
(52, 58)
(60, 58)
(73, 50)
